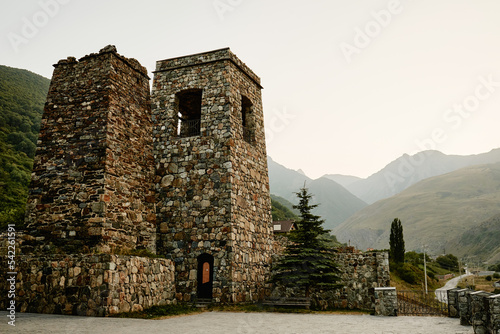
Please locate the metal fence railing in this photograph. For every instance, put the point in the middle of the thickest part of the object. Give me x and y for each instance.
(418, 302)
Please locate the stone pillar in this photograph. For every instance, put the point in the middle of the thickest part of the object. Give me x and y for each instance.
(453, 309)
(385, 301)
(463, 307)
(493, 310)
(478, 311)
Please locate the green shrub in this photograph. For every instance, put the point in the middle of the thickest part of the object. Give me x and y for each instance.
(407, 273)
(496, 275)
(488, 278)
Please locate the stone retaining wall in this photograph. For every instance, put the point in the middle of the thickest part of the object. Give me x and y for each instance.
(91, 285)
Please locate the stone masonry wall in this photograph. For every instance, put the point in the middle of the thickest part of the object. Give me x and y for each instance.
(360, 274)
(212, 188)
(91, 285)
(91, 188)
(252, 237)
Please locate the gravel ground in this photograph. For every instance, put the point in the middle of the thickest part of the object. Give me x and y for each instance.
(235, 323)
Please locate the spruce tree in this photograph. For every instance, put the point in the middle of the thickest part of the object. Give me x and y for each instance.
(397, 242)
(307, 263)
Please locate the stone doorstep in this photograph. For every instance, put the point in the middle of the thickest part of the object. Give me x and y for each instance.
(494, 296)
(385, 288)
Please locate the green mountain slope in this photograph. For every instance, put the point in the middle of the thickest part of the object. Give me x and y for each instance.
(481, 241)
(282, 209)
(433, 211)
(22, 97)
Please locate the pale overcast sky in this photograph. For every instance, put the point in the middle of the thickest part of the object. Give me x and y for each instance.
(348, 85)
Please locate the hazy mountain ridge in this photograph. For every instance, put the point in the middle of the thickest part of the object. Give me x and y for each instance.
(336, 202)
(408, 170)
(433, 211)
(344, 180)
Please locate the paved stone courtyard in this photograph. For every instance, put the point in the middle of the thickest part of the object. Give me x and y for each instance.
(236, 323)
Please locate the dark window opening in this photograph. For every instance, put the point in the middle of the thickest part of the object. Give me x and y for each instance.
(189, 113)
(247, 120)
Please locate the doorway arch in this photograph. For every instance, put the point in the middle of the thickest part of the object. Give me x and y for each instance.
(205, 276)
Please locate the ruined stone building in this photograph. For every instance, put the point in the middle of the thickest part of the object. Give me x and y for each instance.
(181, 173)
(140, 199)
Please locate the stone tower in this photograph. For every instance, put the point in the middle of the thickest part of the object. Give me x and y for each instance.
(213, 204)
(91, 187)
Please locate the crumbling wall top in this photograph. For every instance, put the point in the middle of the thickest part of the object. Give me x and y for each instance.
(110, 49)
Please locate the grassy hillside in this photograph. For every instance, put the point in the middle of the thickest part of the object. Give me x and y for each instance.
(22, 97)
(481, 241)
(433, 211)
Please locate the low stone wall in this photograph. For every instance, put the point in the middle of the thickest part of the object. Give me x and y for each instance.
(476, 308)
(360, 273)
(90, 284)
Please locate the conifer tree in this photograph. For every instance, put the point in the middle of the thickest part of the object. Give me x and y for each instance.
(397, 242)
(307, 262)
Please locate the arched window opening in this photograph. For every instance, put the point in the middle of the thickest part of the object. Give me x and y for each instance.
(247, 120)
(189, 113)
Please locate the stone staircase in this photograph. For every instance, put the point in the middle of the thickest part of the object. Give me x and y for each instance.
(203, 302)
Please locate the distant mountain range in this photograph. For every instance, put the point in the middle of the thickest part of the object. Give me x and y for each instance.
(408, 170)
(336, 203)
(440, 213)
